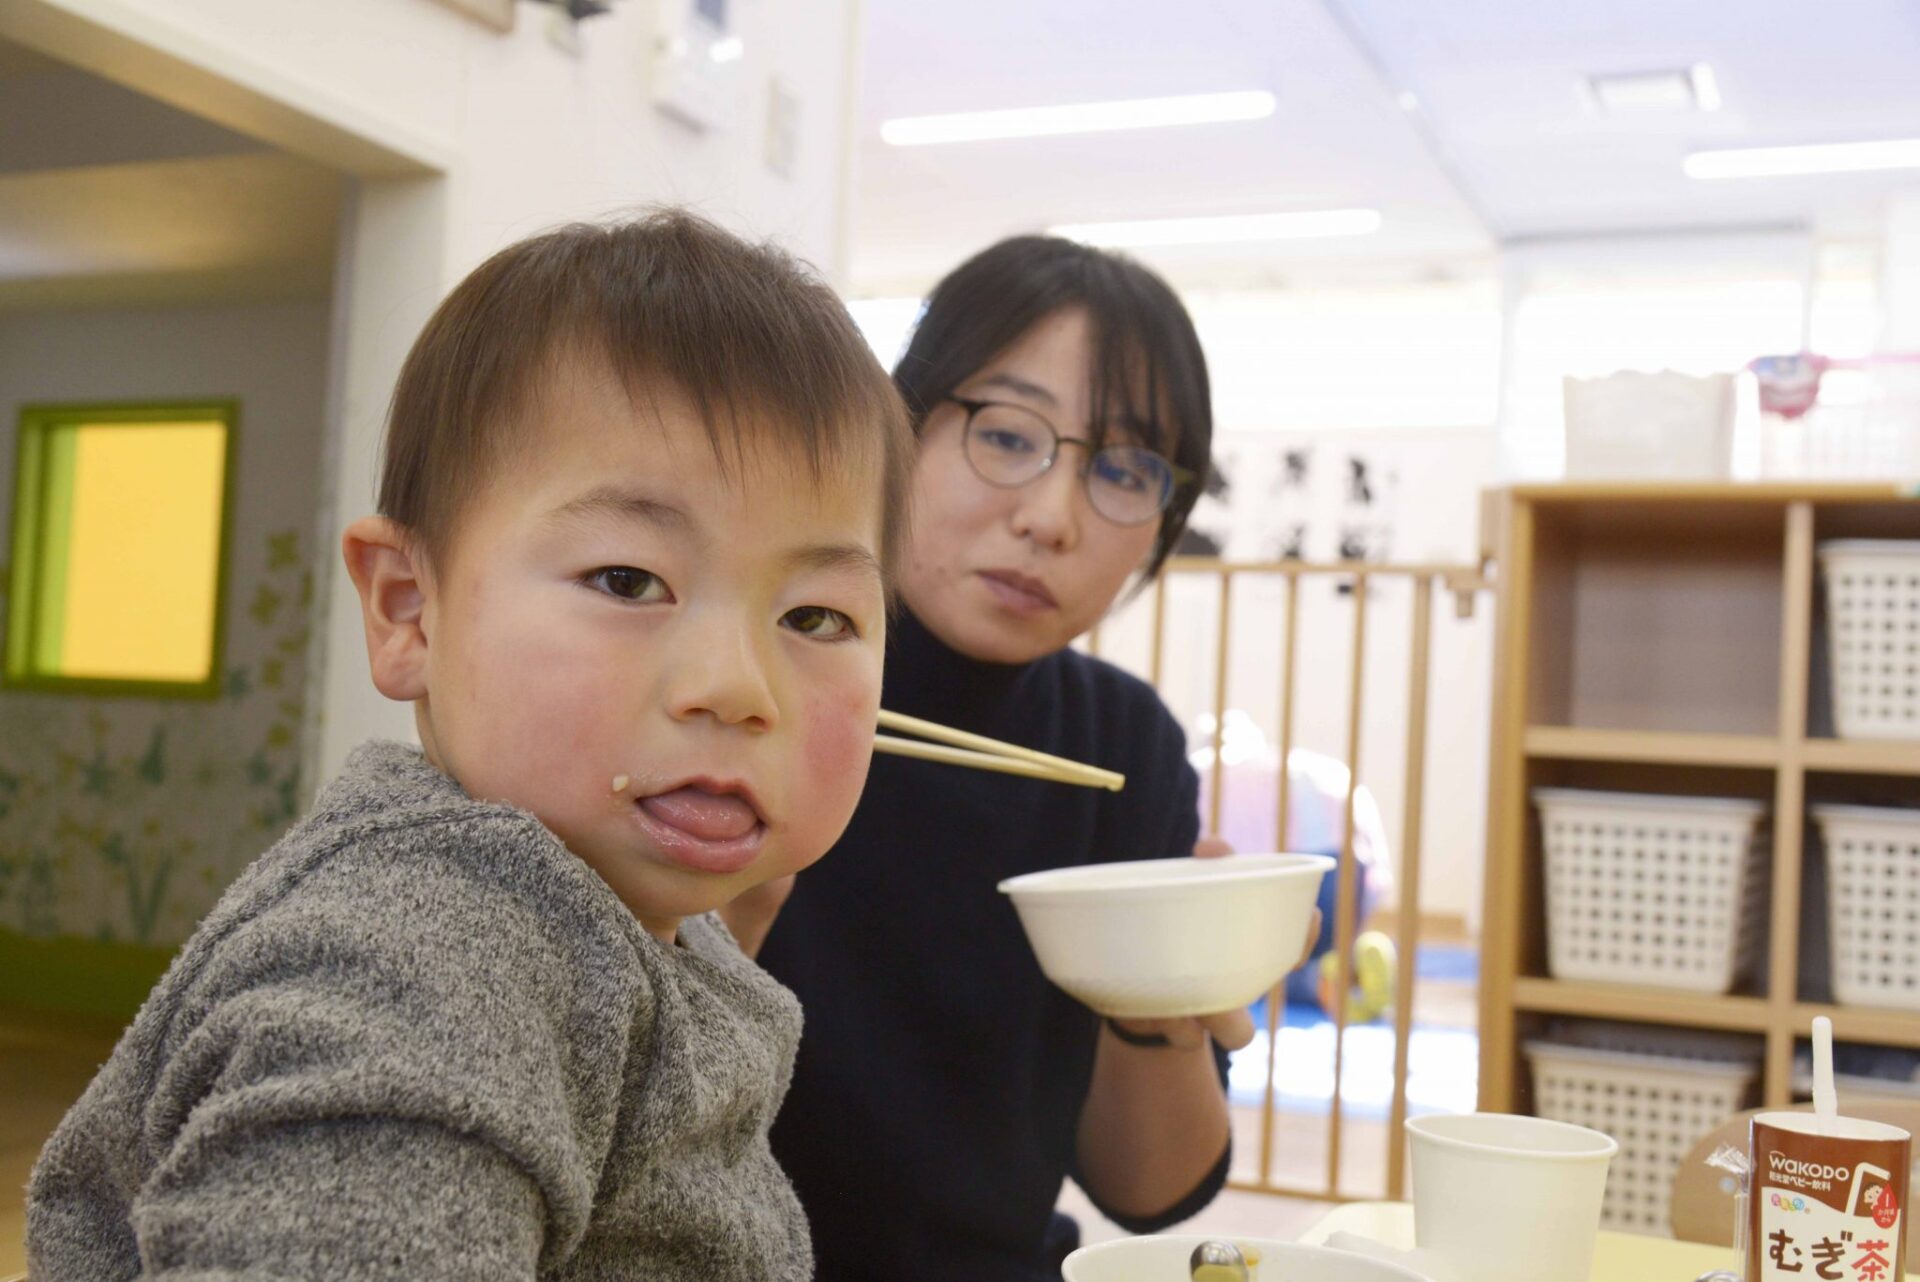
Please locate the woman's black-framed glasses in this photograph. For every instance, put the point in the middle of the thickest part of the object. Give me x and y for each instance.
(1010, 445)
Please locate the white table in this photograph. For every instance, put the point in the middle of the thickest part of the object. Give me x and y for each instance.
(1617, 1257)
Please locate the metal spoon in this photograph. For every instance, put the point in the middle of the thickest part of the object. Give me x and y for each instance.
(1222, 1260)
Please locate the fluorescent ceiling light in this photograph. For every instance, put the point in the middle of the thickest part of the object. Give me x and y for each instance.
(1826, 158)
(1078, 118)
(1227, 229)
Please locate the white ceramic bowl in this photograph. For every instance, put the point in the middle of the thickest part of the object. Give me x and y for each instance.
(1159, 938)
(1164, 1259)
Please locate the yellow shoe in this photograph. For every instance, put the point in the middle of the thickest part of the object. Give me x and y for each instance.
(1374, 961)
(1371, 994)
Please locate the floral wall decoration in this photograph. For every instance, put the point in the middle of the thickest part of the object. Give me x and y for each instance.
(123, 819)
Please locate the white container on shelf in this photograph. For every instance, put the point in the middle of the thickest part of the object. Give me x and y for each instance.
(1852, 1089)
(1642, 425)
(1873, 636)
(1873, 903)
(1664, 891)
(1656, 1101)
(1863, 425)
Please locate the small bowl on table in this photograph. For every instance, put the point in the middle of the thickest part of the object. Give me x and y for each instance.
(1151, 1259)
(1165, 938)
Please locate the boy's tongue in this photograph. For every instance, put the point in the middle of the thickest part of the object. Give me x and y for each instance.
(707, 815)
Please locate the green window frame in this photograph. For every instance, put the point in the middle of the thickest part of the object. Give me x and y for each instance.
(43, 505)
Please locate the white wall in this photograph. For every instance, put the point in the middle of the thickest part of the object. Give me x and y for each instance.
(271, 356)
(1698, 304)
(464, 140)
(1900, 274)
(531, 135)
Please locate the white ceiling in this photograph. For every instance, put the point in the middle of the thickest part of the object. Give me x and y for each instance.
(1499, 82)
(107, 196)
(1502, 147)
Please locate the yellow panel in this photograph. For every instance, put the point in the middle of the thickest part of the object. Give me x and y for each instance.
(143, 564)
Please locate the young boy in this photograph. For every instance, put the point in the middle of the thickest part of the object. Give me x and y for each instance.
(472, 1018)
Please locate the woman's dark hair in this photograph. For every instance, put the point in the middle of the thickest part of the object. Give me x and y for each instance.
(1147, 367)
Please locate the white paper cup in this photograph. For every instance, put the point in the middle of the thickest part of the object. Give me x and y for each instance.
(1504, 1198)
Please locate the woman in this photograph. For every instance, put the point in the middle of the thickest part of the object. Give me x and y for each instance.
(944, 1088)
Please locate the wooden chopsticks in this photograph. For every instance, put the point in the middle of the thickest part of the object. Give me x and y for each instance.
(982, 753)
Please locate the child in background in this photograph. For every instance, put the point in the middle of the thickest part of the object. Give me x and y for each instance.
(472, 1017)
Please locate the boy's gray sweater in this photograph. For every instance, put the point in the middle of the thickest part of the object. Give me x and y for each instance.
(419, 1039)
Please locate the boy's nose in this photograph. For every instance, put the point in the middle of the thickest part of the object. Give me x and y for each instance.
(1047, 510)
(723, 677)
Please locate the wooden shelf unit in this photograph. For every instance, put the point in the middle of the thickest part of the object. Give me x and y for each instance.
(1665, 638)
(1656, 747)
(1861, 757)
(1640, 1005)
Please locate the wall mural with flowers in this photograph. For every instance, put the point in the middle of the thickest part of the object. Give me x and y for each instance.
(122, 820)
(123, 817)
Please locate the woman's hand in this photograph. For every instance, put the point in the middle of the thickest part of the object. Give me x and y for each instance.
(1232, 1029)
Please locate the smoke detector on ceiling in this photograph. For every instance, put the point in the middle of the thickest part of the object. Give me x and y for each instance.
(1644, 93)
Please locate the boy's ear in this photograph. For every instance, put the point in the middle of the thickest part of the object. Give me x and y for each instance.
(388, 574)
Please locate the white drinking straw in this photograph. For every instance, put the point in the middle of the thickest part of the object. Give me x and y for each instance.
(1826, 1105)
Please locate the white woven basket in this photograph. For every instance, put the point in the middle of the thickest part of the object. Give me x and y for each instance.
(1873, 903)
(1873, 636)
(1657, 1106)
(1669, 892)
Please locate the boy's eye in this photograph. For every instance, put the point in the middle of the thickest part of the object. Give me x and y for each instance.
(820, 623)
(629, 584)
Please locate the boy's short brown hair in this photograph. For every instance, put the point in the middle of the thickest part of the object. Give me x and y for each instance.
(762, 348)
